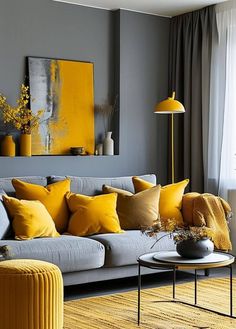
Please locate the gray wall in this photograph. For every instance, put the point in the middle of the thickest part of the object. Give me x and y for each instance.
(143, 81)
(130, 55)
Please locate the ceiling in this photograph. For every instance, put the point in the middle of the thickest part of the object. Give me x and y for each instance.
(155, 7)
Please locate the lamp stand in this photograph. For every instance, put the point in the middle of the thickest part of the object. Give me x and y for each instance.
(170, 106)
(172, 150)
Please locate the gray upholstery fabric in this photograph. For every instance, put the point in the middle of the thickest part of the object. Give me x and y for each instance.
(69, 253)
(105, 273)
(80, 259)
(93, 185)
(124, 248)
(6, 185)
(2, 192)
(4, 219)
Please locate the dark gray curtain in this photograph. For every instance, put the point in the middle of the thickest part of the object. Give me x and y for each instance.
(189, 75)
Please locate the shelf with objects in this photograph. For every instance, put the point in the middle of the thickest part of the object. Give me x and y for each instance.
(52, 119)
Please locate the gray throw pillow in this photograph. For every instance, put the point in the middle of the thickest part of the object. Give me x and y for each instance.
(5, 224)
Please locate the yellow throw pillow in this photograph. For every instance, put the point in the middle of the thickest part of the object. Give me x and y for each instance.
(92, 215)
(136, 210)
(170, 198)
(51, 196)
(30, 219)
(188, 206)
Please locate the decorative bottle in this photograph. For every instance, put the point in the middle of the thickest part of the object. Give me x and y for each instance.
(108, 144)
(99, 149)
(25, 145)
(8, 146)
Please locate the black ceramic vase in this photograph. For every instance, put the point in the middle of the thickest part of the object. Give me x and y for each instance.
(195, 249)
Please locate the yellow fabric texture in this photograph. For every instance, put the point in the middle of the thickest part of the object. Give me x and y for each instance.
(170, 198)
(52, 196)
(92, 215)
(31, 295)
(30, 219)
(157, 310)
(211, 210)
(136, 210)
(187, 207)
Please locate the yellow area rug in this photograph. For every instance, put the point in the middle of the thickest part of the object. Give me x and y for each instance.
(120, 310)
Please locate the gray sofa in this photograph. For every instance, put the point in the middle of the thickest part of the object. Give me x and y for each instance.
(87, 259)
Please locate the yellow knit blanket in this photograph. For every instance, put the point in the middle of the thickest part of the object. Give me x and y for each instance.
(210, 211)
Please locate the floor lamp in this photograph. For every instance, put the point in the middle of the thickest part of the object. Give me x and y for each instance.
(170, 106)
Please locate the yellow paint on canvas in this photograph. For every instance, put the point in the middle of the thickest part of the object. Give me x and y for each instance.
(74, 124)
(72, 120)
(37, 145)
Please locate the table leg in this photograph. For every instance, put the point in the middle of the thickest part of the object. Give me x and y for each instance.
(139, 293)
(195, 288)
(231, 289)
(174, 281)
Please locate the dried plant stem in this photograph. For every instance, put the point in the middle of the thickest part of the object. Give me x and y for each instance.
(21, 116)
(163, 236)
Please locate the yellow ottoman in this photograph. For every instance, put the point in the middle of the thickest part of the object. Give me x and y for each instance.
(31, 295)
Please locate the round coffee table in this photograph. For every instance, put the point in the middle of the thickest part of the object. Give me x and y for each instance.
(171, 260)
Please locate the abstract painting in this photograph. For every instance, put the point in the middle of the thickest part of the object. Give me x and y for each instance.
(64, 90)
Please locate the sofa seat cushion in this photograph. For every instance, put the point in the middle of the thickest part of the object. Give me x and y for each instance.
(124, 249)
(69, 253)
(93, 185)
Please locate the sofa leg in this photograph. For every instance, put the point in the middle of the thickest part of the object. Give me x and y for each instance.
(207, 272)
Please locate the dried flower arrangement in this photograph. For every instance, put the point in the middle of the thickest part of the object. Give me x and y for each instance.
(176, 232)
(20, 116)
(5, 252)
(106, 111)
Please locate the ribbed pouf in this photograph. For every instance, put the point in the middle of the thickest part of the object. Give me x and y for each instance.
(31, 295)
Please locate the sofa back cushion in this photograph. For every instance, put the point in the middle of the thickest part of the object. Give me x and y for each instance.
(93, 185)
(6, 183)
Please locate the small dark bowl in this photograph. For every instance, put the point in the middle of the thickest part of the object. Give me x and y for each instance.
(77, 150)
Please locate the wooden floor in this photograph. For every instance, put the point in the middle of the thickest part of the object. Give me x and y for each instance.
(148, 281)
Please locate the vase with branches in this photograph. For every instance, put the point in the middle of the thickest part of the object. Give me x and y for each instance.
(181, 235)
(21, 117)
(106, 111)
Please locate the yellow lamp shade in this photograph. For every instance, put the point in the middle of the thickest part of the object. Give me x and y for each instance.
(169, 105)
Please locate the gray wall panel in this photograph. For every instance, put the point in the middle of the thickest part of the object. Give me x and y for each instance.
(143, 82)
(135, 48)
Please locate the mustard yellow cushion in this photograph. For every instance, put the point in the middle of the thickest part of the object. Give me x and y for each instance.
(188, 206)
(51, 196)
(30, 219)
(92, 215)
(170, 198)
(136, 210)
